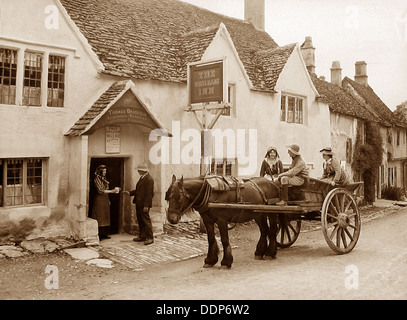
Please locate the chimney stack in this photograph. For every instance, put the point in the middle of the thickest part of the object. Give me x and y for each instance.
(308, 54)
(361, 73)
(336, 73)
(254, 12)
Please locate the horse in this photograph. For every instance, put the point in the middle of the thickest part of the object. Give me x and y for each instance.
(195, 193)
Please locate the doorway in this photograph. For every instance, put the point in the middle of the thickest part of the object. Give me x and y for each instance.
(115, 174)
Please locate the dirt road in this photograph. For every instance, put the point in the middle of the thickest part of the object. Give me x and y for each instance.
(375, 269)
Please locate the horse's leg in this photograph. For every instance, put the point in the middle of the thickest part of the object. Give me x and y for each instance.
(227, 249)
(213, 250)
(271, 251)
(261, 247)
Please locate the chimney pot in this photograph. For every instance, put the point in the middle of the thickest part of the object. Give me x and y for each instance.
(254, 12)
(308, 54)
(336, 73)
(361, 73)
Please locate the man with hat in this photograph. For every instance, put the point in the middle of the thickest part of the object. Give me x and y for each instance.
(143, 197)
(295, 176)
(333, 172)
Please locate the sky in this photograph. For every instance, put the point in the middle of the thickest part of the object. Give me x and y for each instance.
(374, 31)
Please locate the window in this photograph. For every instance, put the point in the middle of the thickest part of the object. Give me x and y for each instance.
(21, 182)
(56, 81)
(390, 177)
(32, 78)
(39, 68)
(292, 109)
(8, 76)
(224, 167)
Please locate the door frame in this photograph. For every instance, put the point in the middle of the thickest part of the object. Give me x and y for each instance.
(115, 175)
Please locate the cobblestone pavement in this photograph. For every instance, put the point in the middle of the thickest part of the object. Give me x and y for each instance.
(184, 241)
(178, 242)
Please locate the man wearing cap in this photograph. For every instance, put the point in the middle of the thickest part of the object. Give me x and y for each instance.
(295, 176)
(333, 172)
(143, 198)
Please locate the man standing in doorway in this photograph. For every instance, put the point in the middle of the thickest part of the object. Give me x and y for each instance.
(143, 198)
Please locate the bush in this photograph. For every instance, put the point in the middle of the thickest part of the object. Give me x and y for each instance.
(392, 193)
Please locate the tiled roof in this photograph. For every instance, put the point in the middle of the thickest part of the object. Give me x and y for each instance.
(268, 65)
(340, 101)
(373, 102)
(107, 100)
(155, 39)
(97, 108)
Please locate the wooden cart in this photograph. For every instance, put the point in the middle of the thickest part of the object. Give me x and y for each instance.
(335, 207)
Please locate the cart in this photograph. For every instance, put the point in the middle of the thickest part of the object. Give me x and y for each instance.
(335, 207)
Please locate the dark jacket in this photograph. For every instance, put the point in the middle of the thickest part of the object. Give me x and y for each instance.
(275, 169)
(334, 172)
(144, 192)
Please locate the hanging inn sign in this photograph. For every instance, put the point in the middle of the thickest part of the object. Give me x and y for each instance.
(207, 89)
(207, 92)
(206, 82)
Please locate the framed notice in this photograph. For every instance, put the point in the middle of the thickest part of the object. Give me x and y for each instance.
(207, 82)
(112, 139)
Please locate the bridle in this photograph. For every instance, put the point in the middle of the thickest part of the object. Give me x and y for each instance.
(198, 207)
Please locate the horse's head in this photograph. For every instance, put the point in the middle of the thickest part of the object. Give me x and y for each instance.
(177, 200)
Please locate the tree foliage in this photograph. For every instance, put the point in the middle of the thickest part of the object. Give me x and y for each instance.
(367, 157)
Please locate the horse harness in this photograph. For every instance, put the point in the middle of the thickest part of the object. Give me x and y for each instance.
(206, 190)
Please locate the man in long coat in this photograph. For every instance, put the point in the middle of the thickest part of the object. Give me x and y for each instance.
(143, 198)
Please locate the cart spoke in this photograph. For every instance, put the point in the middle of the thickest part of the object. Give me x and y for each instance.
(330, 225)
(333, 207)
(288, 233)
(352, 226)
(342, 203)
(338, 238)
(282, 233)
(333, 232)
(330, 215)
(337, 206)
(292, 228)
(347, 206)
(349, 235)
(343, 238)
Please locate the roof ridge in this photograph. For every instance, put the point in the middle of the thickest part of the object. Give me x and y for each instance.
(276, 49)
(206, 29)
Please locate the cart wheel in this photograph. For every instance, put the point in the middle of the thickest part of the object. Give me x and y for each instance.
(288, 230)
(340, 220)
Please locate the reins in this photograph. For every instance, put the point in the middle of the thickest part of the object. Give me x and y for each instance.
(203, 203)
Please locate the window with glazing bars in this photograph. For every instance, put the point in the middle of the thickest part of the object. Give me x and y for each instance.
(223, 166)
(292, 109)
(56, 81)
(21, 182)
(8, 76)
(32, 78)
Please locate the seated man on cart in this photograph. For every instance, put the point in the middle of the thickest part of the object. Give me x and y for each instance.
(295, 176)
(333, 173)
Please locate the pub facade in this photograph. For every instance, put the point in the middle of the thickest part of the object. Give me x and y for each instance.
(77, 93)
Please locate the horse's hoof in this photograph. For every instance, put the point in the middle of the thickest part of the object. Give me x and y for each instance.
(258, 257)
(270, 257)
(225, 267)
(206, 265)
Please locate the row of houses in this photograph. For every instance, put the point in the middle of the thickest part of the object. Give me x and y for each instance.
(84, 83)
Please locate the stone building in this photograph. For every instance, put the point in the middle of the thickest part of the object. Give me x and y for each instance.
(98, 81)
